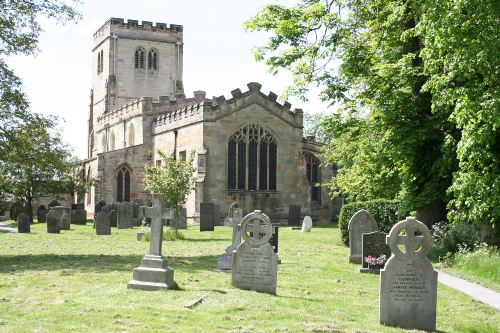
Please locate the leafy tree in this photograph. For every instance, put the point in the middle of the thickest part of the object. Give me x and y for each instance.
(313, 126)
(426, 73)
(39, 164)
(174, 179)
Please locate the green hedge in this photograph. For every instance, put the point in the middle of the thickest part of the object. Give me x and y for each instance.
(386, 213)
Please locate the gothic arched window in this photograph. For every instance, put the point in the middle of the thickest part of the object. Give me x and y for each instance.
(152, 59)
(251, 162)
(313, 175)
(139, 58)
(131, 135)
(123, 185)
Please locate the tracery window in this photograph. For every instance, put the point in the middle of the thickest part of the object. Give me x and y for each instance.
(152, 59)
(123, 185)
(252, 154)
(139, 58)
(313, 175)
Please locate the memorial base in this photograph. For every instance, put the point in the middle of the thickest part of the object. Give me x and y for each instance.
(370, 270)
(153, 274)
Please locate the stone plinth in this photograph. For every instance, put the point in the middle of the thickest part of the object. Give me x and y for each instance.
(153, 274)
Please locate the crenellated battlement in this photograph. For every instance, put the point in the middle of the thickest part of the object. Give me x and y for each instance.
(141, 26)
(125, 111)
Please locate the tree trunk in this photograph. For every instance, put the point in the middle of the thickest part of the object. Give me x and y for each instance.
(29, 209)
(432, 213)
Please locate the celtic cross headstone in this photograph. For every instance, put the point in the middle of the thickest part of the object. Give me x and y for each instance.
(255, 264)
(154, 274)
(408, 283)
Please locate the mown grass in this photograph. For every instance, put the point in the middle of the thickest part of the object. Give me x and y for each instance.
(481, 265)
(77, 282)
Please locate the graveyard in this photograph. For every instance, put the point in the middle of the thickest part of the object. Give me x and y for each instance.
(76, 281)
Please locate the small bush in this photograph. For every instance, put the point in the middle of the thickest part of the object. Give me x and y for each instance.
(386, 213)
(168, 235)
(450, 238)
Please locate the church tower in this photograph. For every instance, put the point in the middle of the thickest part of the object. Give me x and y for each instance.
(131, 60)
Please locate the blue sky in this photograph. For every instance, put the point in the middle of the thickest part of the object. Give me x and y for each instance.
(217, 56)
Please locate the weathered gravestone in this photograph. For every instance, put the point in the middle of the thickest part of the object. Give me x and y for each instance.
(225, 261)
(408, 283)
(207, 216)
(59, 212)
(153, 274)
(23, 223)
(181, 221)
(125, 218)
(102, 225)
(216, 215)
(53, 222)
(307, 224)
(41, 214)
(54, 203)
(112, 217)
(274, 239)
(373, 245)
(293, 215)
(79, 216)
(99, 207)
(255, 265)
(360, 223)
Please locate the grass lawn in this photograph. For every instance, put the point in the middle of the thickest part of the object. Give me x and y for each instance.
(77, 282)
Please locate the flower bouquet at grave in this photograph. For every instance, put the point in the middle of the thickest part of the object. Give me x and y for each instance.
(375, 261)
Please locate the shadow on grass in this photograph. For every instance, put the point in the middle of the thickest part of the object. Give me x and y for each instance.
(97, 263)
(207, 239)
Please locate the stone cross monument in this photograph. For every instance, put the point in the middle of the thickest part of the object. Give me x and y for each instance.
(225, 261)
(408, 283)
(153, 274)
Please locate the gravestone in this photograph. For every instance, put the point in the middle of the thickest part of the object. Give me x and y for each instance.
(408, 283)
(54, 203)
(113, 217)
(23, 223)
(206, 216)
(53, 222)
(225, 261)
(125, 217)
(59, 211)
(216, 215)
(181, 221)
(102, 225)
(307, 224)
(255, 265)
(373, 244)
(154, 274)
(274, 239)
(293, 215)
(99, 207)
(41, 214)
(360, 223)
(79, 216)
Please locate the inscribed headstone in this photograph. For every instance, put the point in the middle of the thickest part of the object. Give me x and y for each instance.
(360, 223)
(41, 214)
(102, 225)
(408, 283)
(153, 274)
(23, 223)
(65, 221)
(53, 222)
(373, 244)
(125, 218)
(255, 265)
(307, 224)
(293, 215)
(79, 216)
(100, 205)
(206, 216)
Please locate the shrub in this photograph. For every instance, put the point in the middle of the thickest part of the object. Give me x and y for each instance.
(168, 235)
(386, 213)
(450, 238)
(483, 262)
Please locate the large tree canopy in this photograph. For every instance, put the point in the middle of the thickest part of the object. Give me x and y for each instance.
(425, 75)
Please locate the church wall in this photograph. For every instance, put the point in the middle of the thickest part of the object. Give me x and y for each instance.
(121, 134)
(289, 139)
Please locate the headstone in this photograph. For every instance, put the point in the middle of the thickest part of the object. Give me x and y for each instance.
(125, 218)
(59, 211)
(274, 239)
(102, 225)
(54, 203)
(53, 222)
(225, 261)
(216, 215)
(113, 215)
(307, 224)
(408, 283)
(153, 274)
(181, 221)
(206, 216)
(255, 265)
(373, 245)
(41, 214)
(360, 223)
(100, 205)
(293, 215)
(79, 216)
(23, 223)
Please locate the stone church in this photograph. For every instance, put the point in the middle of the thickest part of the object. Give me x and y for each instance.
(248, 148)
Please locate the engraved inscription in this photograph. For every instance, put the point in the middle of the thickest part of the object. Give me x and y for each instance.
(408, 287)
(254, 269)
